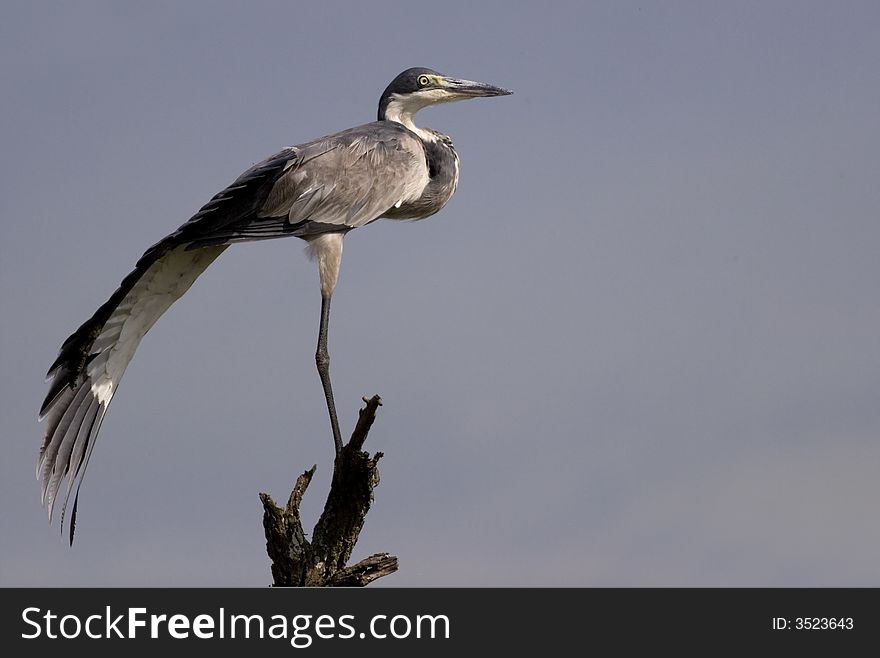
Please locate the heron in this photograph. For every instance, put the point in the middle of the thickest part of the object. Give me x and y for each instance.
(317, 191)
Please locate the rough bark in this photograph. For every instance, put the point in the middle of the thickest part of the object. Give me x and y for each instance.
(321, 562)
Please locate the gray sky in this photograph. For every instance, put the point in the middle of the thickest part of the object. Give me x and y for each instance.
(641, 346)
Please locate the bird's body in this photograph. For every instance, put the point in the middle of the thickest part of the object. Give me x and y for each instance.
(316, 191)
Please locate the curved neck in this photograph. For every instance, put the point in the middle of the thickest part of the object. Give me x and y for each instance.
(402, 110)
(440, 156)
(403, 118)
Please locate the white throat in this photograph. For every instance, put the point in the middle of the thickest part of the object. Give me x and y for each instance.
(402, 109)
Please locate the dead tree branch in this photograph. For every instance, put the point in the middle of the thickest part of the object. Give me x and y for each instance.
(321, 562)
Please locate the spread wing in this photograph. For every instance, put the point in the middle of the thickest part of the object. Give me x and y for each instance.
(334, 184)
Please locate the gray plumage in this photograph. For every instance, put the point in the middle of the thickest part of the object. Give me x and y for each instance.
(317, 191)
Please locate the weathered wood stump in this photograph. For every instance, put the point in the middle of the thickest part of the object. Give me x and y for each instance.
(321, 562)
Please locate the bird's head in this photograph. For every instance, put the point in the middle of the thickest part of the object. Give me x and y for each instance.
(418, 87)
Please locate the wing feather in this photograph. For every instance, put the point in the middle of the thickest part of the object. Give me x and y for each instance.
(336, 183)
(95, 358)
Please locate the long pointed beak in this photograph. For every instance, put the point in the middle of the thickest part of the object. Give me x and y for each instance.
(471, 89)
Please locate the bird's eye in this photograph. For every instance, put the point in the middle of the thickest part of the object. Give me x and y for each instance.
(423, 81)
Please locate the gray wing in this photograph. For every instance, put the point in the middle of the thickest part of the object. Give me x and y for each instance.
(333, 184)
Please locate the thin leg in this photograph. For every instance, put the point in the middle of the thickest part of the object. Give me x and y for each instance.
(322, 360)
